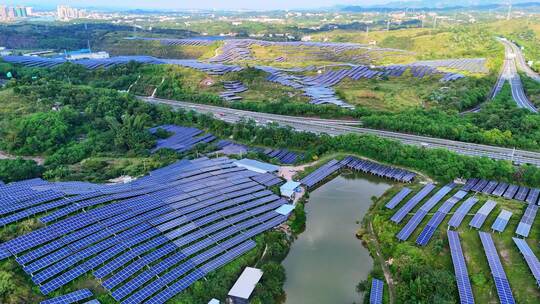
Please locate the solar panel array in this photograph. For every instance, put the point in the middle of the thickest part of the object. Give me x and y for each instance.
(44, 62)
(284, 156)
(379, 170)
(460, 269)
(232, 89)
(321, 173)
(376, 292)
(524, 227)
(438, 217)
(501, 221)
(530, 258)
(462, 211)
(72, 297)
(151, 238)
(482, 214)
(411, 203)
(400, 196)
(473, 65)
(501, 189)
(499, 276)
(182, 139)
(411, 225)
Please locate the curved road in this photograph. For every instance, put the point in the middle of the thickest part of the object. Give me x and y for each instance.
(509, 72)
(337, 127)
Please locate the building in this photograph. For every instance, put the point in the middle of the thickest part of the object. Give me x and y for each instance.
(85, 54)
(289, 189)
(244, 286)
(10, 13)
(66, 13)
(256, 166)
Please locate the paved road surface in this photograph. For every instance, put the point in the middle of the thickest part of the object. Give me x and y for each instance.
(510, 74)
(337, 127)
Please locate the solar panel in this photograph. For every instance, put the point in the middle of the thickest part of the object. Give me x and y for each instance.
(481, 216)
(530, 258)
(460, 269)
(438, 217)
(398, 198)
(411, 203)
(501, 221)
(525, 224)
(461, 212)
(499, 276)
(72, 297)
(532, 198)
(411, 225)
(376, 292)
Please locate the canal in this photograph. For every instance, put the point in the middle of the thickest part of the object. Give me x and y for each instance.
(327, 260)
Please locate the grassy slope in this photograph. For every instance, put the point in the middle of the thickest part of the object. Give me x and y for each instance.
(519, 275)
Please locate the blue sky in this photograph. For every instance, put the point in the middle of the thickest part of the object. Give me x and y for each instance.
(197, 4)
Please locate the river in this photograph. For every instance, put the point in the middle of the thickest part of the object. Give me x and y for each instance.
(327, 260)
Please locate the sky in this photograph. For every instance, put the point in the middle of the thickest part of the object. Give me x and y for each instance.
(195, 4)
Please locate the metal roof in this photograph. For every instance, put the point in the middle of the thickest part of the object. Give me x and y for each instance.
(246, 283)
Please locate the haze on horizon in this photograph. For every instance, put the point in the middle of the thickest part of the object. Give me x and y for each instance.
(196, 4)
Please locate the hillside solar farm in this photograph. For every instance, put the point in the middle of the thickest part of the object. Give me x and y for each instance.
(211, 152)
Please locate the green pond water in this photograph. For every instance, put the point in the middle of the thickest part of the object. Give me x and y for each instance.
(327, 260)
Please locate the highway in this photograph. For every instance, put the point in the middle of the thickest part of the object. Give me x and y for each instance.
(338, 127)
(520, 61)
(509, 73)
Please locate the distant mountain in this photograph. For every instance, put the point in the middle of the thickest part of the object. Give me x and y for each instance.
(443, 5)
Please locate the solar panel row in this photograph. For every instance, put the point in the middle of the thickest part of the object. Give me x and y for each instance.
(499, 276)
(460, 269)
(501, 221)
(411, 203)
(398, 198)
(461, 212)
(530, 258)
(525, 224)
(366, 166)
(376, 291)
(72, 297)
(438, 217)
(411, 225)
(482, 214)
(520, 193)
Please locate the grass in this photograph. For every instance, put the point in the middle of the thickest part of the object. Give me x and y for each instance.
(394, 94)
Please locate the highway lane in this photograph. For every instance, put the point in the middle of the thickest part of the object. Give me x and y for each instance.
(521, 63)
(337, 127)
(511, 75)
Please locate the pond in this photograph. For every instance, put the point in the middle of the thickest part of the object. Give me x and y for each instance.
(327, 260)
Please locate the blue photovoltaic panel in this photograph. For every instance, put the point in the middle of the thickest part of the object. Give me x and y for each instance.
(460, 269)
(411, 225)
(410, 204)
(525, 224)
(398, 198)
(480, 185)
(490, 187)
(499, 276)
(500, 189)
(481, 216)
(469, 184)
(530, 258)
(376, 293)
(522, 193)
(72, 297)
(511, 191)
(501, 221)
(461, 212)
(321, 173)
(438, 217)
(532, 198)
